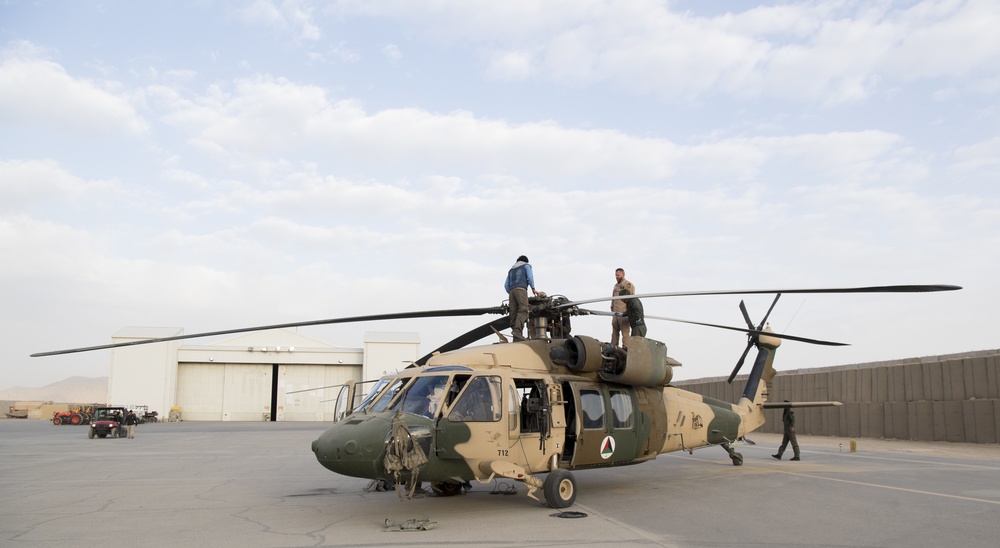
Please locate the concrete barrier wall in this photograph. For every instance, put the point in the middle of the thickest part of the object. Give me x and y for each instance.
(942, 398)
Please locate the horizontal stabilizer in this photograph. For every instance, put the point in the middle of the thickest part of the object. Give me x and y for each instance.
(786, 404)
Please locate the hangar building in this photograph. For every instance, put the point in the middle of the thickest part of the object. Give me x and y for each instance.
(249, 377)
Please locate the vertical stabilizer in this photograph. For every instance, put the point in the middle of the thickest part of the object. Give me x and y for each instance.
(763, 369)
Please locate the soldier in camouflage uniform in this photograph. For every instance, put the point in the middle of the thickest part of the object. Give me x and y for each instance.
(788, 418)
(619, 323)
(635, 316)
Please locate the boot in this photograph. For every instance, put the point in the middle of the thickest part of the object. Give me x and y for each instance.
(796, 457)
(777, 456)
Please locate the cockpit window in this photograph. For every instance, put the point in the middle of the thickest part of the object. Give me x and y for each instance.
(480, 402)
(386, 398)
(372, 394)
(424, 396)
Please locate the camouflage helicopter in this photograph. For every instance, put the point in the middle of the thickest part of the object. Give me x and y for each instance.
(549, 405)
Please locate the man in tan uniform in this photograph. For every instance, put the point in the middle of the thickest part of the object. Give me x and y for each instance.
(619, 324)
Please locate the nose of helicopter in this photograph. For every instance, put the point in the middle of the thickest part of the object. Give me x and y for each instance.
(354, 446)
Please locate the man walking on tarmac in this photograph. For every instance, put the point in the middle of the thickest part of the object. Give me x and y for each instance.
(130, 421)
(788, 418)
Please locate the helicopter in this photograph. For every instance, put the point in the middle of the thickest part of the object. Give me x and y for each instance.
(549, 405)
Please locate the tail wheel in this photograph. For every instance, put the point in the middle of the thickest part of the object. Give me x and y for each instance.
(737, 459)
(560, 488)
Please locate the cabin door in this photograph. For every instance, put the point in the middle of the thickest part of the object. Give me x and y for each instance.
(536, 421)
(604, 424)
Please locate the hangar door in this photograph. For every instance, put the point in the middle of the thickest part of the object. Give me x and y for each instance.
(301, 396)
(224, 392)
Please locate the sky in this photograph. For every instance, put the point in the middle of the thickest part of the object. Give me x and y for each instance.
(211, 165)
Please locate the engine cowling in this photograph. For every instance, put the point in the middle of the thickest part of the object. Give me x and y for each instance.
(646, 364)
(586, 354)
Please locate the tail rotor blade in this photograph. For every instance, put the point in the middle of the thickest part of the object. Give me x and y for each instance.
(764, 321)
(746, 315)
(739, 364)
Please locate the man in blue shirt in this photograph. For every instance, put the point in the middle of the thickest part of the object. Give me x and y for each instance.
(519, 279)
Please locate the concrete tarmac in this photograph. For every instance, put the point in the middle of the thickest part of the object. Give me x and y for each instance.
(258, 484)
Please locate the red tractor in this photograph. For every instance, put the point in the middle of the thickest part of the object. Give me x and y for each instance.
(77, 415)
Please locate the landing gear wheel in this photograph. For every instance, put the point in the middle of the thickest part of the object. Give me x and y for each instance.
(446, 489)
(560, 488)
(737, 458)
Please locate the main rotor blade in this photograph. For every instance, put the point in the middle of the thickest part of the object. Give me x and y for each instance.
(754, 332)
(352, 319)
(467, 338)
(869, 289)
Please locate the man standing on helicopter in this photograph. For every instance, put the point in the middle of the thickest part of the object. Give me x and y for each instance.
(519, 279)
(619, 322)
(636, 317)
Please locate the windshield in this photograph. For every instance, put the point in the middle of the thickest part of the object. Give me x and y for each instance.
(424, 396)
(383, 402)
(372, 394)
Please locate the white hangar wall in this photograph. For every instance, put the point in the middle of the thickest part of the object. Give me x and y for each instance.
(144, 374)
(265, 375)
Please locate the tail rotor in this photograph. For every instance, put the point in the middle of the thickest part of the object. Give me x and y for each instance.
(753, 337)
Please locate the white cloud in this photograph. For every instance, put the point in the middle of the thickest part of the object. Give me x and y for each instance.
(982, 159)
(27, 184)
(266, 116)
(812, 52)
(290, 16)
(39, 92)
(392, 53)
(509, 65)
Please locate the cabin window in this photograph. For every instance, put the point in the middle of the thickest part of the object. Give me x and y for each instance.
(480, 402)
(424, 396)
(592, 405)
(513, 424)
(621, 409)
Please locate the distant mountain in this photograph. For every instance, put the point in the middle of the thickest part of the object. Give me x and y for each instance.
(71, 390)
